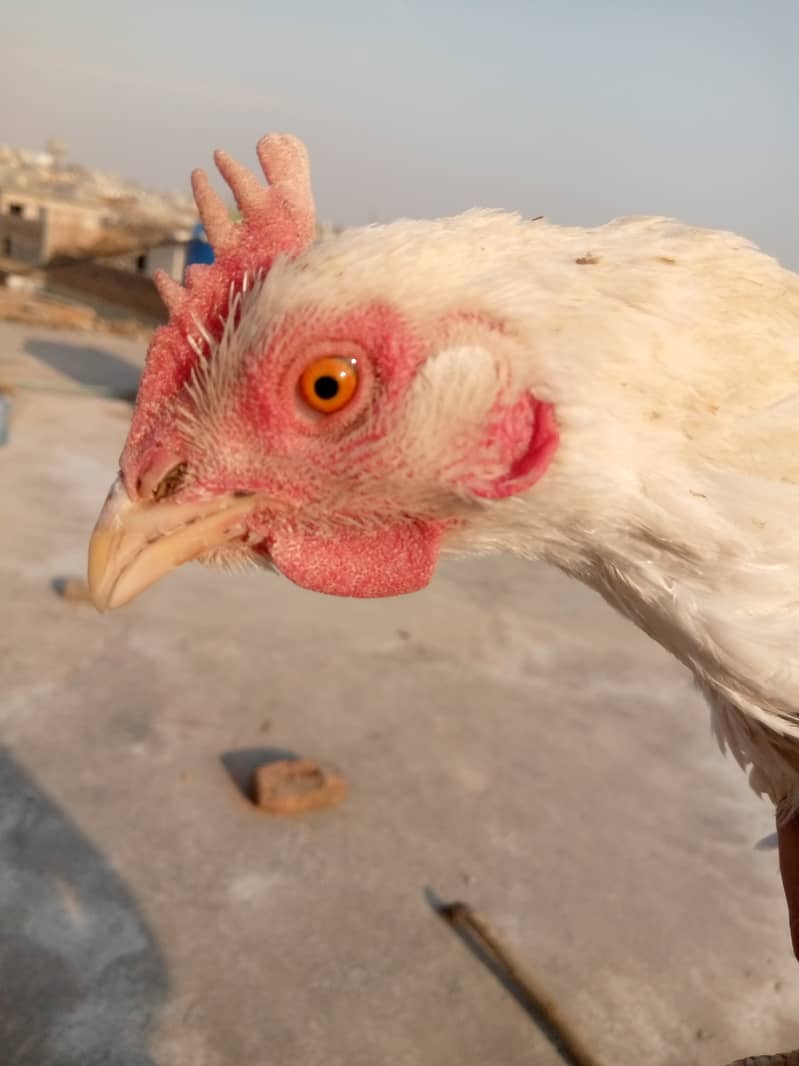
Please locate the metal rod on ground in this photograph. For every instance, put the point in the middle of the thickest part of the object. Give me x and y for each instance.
(538, 1003)
(526, 989)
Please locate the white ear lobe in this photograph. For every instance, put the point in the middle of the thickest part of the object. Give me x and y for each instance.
(489, 440)
(449, 400)
(456, 388)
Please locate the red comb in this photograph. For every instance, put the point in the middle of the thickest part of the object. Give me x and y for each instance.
(278, 218)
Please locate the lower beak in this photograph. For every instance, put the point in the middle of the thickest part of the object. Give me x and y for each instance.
(135, 544)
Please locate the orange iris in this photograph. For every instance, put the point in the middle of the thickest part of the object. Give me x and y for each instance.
(329, 384)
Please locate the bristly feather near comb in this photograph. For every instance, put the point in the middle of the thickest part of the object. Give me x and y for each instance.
(277, 219)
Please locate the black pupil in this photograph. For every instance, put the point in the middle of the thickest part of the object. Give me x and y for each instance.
(325, 387)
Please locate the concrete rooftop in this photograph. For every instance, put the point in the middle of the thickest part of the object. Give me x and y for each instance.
(507, 740)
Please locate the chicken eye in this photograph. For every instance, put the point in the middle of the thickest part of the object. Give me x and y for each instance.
(329, 384)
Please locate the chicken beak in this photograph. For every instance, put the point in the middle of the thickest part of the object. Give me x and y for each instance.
(136, 543)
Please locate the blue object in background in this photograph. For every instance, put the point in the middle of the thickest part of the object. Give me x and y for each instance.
(198, 250)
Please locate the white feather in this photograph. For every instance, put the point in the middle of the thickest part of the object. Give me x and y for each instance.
(671, 355)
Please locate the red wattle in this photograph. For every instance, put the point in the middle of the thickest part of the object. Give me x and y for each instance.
(390, 561)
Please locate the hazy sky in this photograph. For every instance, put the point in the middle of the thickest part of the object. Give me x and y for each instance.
(579, 111)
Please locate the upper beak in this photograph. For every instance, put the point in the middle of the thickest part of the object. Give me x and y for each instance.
(135, 544)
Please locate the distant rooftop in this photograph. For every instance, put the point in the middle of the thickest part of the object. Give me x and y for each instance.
(48, 175)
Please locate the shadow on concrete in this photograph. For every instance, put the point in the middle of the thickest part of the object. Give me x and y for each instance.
(241, 764)
(82, 978)
(92, 367)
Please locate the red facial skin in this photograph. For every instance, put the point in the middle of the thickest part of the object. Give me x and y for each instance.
(278, 221)
(337, 525)
(342, 512)
(526, 436)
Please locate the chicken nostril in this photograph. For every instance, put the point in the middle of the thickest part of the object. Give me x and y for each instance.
(171, 482)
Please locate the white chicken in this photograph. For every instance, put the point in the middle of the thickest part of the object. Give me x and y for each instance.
(620, 402)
